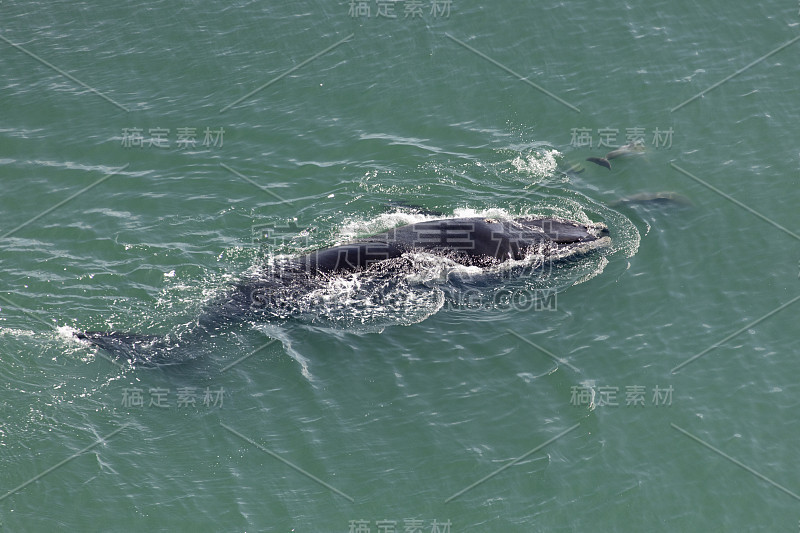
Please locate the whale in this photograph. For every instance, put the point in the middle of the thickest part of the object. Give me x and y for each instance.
(469, 241)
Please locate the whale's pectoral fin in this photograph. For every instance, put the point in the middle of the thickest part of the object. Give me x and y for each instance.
(135, 348)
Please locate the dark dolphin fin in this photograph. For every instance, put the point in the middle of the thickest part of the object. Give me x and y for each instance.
(602, 161)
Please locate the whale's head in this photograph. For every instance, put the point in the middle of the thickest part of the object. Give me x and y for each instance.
(567, 233)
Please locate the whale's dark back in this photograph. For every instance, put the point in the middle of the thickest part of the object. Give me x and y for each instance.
(471, 241)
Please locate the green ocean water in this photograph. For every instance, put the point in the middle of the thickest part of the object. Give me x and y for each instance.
(147, 148)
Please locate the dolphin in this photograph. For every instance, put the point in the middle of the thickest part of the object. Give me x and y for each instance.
(632, 148)
(656, 199)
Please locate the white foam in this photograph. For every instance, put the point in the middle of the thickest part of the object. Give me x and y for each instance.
(539, 164)
(67, 333)
(276, 332)
(354, 228)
